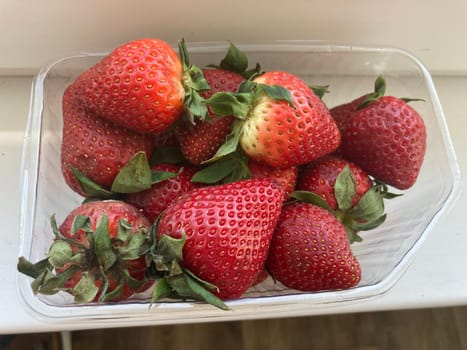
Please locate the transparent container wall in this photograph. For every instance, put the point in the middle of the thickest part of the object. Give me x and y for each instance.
(349, 72)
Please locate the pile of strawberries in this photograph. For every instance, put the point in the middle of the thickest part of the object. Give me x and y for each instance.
(201, 182)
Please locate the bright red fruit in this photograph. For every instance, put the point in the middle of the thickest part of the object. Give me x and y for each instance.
(228, 229)
(280, 135)
(95, 146)
(98, 253)
(387, 138)
(310, 251)
(320, 177)
(154, 200)
(138, 86)
(200, 142)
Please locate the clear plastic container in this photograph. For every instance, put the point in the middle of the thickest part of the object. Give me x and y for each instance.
(350, 71)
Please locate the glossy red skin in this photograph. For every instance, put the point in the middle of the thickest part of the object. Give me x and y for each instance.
(282, 136)
(343, 112)
(228, 229)
(320, 177)
(94, 146)
(115, 211)
(138, 86)
(154, 200)
(200, 142)
(388, 140)
(285, 177)
(310, 251)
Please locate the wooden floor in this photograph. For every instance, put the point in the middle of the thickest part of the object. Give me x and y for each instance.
(443, 328)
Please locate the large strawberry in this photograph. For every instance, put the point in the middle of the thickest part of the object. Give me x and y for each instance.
(95, 147)
(200, 141)
(98, 254)
(387, 138)
(282, 122)
(310, 250)
(155, 199)
(346, 191)
(142, 85)
(227, 228)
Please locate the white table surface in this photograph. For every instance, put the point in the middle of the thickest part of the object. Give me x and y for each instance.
(437, 277)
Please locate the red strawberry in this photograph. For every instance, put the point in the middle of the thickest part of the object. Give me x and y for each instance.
(347, 191)
(285, 177)
(228, 230)
(98, 254)
(154, 200)
(320, 178)
(141, 85)
(282, 122)
(94, 146)
(200, 142)
(310, 251)
(387, 138)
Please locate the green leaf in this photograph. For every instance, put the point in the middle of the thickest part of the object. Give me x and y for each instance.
(379, 91)
(113, 294)
(345, 188)
(320, 90)
(159, 176)
(215, 172)
(60, 254)
(89, 187)
(33, 270)
(235, 60)
(370, 206)
(201, 293)
(85, 290)
(48, 283)
(103, 245)
(161, 290)
(171, 247)
(124, 230)
(380, 86)
(135, 247)
(167, 154)
(80, 222)
(236, 104)
(277, 92)
(310, 197)
(369, 225)
(231, 143)
(135, 176)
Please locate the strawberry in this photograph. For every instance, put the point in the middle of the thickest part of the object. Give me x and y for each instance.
(345, 190)
(95, 147)
(281, 121)
(285, 177)
(98, 254)
(200, 142)
(227, 229)
(142, 85)
(320, 178)
(310, 251)
(387, 138)
(154, 200)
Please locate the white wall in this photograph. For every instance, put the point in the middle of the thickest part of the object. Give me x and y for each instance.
(33, 33)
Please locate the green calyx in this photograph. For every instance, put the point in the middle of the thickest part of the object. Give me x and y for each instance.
(236, 61)
(98, 258)
(135, 176)
(367, 214)
(379, 91)
(172, 279)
